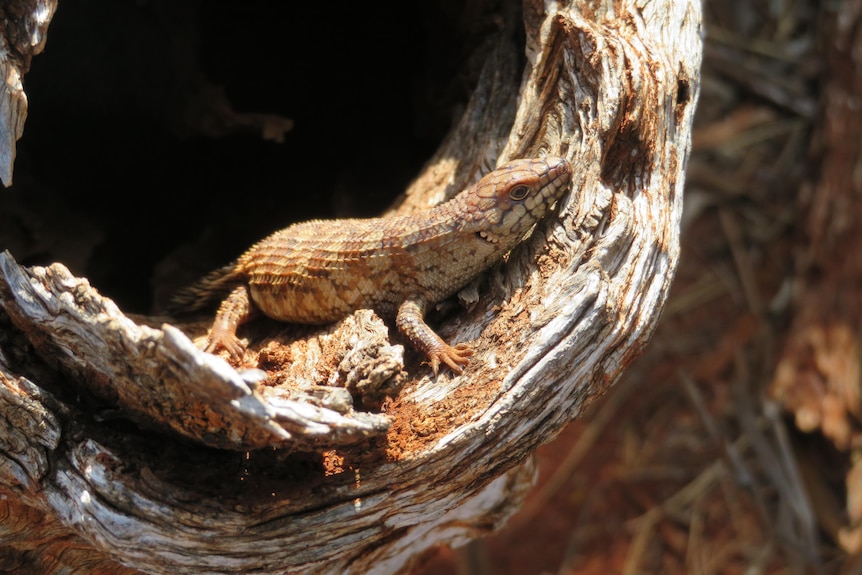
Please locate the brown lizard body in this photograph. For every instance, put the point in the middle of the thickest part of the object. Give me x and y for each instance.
(318, 272)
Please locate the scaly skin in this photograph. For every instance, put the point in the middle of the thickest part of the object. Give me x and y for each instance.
(320, 271)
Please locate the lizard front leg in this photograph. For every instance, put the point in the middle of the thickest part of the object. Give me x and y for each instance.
(233, 311)
(411, 323)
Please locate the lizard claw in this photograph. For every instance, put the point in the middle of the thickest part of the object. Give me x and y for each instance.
(228, 342)
(454, 356)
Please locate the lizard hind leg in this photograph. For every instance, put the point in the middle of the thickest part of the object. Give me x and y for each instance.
(411, 323)
(233, 311)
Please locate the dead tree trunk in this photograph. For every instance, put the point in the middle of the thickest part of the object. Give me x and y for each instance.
(338, 459)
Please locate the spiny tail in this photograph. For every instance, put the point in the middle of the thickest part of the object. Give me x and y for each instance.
(211, 288)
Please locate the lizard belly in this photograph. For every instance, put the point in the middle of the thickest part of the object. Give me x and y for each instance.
(324, 287)
(295, 305)
(321, 294)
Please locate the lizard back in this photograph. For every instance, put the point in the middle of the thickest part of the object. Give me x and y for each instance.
(317, 272)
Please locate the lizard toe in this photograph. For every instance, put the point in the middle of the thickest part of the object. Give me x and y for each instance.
(231, 344)
(454, 356)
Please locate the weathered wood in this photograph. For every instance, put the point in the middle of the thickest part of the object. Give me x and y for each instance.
(611, 87)
(164, 381)
(23, 27)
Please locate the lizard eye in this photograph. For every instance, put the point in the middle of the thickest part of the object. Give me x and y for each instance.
(518, 193)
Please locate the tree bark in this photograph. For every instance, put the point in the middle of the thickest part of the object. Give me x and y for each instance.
(279, 469)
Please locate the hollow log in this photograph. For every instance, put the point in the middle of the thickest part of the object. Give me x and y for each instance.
(126, 449)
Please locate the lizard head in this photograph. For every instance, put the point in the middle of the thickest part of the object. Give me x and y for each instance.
(505, 204)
